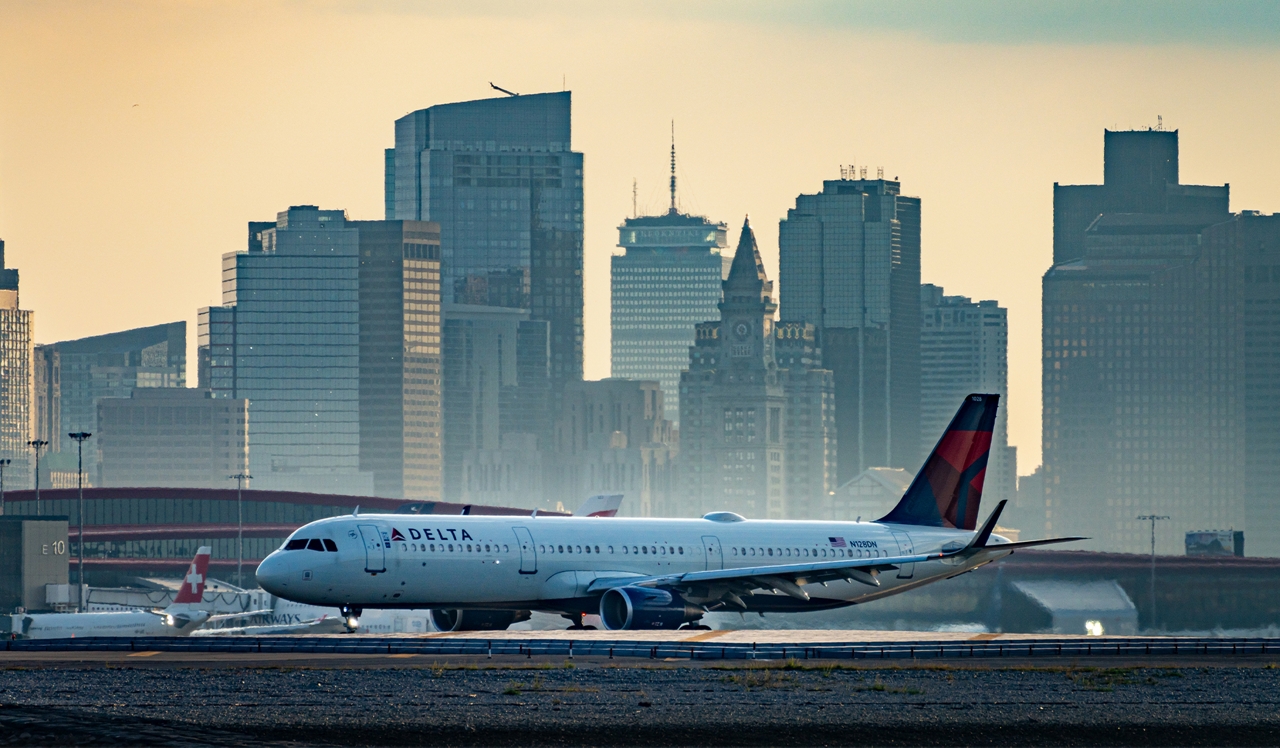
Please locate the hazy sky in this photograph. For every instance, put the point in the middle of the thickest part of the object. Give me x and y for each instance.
(138, 138)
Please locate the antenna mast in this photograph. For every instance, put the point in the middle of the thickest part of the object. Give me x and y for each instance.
(634, 195)
(673, 166)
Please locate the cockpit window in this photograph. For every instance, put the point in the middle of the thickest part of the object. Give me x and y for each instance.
(296, 544)
(330, 546)
(315, 545)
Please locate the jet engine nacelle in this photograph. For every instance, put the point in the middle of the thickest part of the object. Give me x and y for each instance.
(476, 620)
(644, 608)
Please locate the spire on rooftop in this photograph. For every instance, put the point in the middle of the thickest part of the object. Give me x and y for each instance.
(747, 265)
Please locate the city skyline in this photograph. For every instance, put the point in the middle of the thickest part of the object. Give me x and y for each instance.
(161, 192)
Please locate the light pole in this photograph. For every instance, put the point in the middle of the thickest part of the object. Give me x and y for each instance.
(37, 445)
(3, 464)
(240, 478)
(79, 438)
(1153, 518)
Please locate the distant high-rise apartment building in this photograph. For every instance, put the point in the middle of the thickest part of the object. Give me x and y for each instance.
(501, 179)
(751, 427)
(1143, 354)
(964, 348)
(16, 379)
(665, 282)
(496, 383)
(1254, 242)
(331, 329)
(849, 264)
(73, 376)
(171, 437)
(612, 437)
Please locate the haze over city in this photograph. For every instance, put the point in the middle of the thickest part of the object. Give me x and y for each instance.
(138, 138)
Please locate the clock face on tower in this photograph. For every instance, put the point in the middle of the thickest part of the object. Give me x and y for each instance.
(741, 330)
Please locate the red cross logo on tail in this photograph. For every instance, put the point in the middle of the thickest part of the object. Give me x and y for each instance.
(192, 589)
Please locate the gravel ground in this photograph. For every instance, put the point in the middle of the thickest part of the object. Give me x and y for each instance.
(595, 704)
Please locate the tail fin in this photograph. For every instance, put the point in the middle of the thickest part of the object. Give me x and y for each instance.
(192, 589)
(947, 490)
(601, 505)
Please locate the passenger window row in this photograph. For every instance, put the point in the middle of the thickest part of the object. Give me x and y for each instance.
(810, 553)
(311, 544)
(450, 548)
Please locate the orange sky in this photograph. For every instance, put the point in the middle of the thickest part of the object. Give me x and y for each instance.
(117, 214)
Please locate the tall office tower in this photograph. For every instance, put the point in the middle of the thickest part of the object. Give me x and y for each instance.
(401, 427)
(496, 381)
(665, 282)
(1254, 240)
(1142, 357)
(171, 437)
(612, 437)
(1139, 175)
(809, 428)
(16, 384)
(331, 329)
(501, 179)
(74, 375)
(849, 264)
(964, 348)
(735, 400)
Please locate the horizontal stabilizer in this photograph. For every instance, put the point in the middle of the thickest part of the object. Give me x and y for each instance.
(1032, 543)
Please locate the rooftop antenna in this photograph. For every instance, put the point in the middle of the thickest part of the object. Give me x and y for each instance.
(673, 167)
(879, 172)
(500, 88)
(1159, 123)
(635, 213)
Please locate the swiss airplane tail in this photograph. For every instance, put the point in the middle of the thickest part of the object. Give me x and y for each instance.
(192, 589)
(947, 490)
(601, 505)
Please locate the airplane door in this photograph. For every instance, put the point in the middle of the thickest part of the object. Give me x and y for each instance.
(375, 555)
(905, 548)
(528, 556)
(715, 557)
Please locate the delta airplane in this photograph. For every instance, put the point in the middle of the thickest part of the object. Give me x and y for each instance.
(488, 572)
(179, 619)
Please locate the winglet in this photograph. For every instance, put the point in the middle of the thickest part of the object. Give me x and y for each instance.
(356, 513)
(984, 533)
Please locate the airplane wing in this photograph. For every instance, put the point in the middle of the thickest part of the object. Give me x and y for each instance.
(730, 584)
(325, 624)
(246, 614)
(785, 578)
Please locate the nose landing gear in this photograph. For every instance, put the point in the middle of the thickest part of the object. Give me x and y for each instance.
(351, 617)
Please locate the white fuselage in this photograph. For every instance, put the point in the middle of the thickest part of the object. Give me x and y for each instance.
(547, 563)
(123, 623)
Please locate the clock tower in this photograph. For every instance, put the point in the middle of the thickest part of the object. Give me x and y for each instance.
(747, 309)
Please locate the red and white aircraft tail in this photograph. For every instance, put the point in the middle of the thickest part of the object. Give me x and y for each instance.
(192, 589)
(600, 505)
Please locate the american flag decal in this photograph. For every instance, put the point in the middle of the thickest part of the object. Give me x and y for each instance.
(837, 542)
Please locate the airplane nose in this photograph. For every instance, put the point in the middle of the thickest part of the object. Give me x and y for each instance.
(271, 574)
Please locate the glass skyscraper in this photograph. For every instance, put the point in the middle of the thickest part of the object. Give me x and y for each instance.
(501, 179)
(331, 329)
(16, 330)
(665, 283)
(849, 264)
(964, 348)
(74, 376)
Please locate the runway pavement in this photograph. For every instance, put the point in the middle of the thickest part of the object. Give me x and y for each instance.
(693, 646)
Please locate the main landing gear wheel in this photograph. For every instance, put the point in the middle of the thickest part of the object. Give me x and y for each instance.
(575, 622)
(694, 627)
